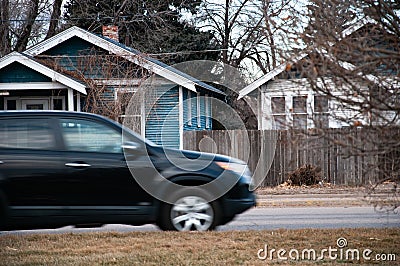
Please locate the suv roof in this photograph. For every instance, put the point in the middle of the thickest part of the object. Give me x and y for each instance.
(50, 113)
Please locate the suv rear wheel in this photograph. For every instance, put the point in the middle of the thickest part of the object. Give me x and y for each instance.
(191, 210)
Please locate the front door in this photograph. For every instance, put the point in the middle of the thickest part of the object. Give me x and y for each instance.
(35, 104)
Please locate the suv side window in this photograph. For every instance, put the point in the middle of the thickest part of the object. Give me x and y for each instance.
(89, 136)
(26, 133)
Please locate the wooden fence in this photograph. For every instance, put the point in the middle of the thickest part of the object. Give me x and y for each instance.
(271, 155)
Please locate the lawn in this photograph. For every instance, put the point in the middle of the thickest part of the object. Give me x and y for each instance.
(201, 248)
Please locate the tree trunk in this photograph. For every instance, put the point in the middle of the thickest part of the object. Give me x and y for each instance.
(225, 41)
(55, 17)
(5, 40)
(23, 39)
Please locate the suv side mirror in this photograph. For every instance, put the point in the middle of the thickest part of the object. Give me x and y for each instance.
(131, 145)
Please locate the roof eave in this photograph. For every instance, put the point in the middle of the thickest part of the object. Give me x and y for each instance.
(42, 69)
(116, 49)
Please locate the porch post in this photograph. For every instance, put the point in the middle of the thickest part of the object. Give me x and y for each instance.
(78, 101)
(70, 100)
(180, 115)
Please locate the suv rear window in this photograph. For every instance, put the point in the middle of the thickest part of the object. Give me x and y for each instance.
(26, 134)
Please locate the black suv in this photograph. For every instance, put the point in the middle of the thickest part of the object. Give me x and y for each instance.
(67, 168)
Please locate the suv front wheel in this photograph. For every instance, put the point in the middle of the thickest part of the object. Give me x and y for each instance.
(191, 210)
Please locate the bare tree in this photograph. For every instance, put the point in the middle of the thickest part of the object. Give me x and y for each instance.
(22, 40)
(5, 28)
(26, 22)
(250, 34)
(54, 18)
(249, 31)
(358, 71)
(158, 28)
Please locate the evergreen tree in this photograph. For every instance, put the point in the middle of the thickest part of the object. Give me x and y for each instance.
(154, 27)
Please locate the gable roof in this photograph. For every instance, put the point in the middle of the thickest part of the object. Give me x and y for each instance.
(125, 52)
(42, 69)
(279, 69)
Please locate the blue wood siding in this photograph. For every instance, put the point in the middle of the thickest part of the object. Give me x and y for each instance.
(75, 54)
(162, 122)
(193, 117)
(71, 47)
(16, 72)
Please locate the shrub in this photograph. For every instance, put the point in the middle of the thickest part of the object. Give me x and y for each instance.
(305, 175)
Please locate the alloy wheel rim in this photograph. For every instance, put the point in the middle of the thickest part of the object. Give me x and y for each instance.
(192, 213)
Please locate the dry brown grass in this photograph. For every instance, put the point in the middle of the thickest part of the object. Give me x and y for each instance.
(326, 189)
(312, 203)
(173, 248)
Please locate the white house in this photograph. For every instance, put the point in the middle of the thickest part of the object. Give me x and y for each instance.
(292, 103)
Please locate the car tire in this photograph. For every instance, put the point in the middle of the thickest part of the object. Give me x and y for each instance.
(193, 209)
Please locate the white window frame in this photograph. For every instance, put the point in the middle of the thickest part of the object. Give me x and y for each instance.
(17, 104)
(305, 112)
(314, 112)
(41, 101)
(284, 114)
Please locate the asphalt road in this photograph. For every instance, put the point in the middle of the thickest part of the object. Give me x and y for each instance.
(271, 218)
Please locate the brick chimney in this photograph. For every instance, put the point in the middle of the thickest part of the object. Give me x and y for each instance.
(111, 32)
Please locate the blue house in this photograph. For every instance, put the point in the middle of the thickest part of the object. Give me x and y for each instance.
(77, 70)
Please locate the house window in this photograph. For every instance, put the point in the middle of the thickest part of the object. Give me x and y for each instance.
(35, 104)
(321, 109)
(300, 104)
(123, 98)
(300, 112)
(278, 105)
(189, 108)
(11, 104)
(58, 104)
(280, 121)
(279, 112)
(300, 121)
(320, 104)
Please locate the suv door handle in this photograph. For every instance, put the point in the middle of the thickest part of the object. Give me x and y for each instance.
(77, 165)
